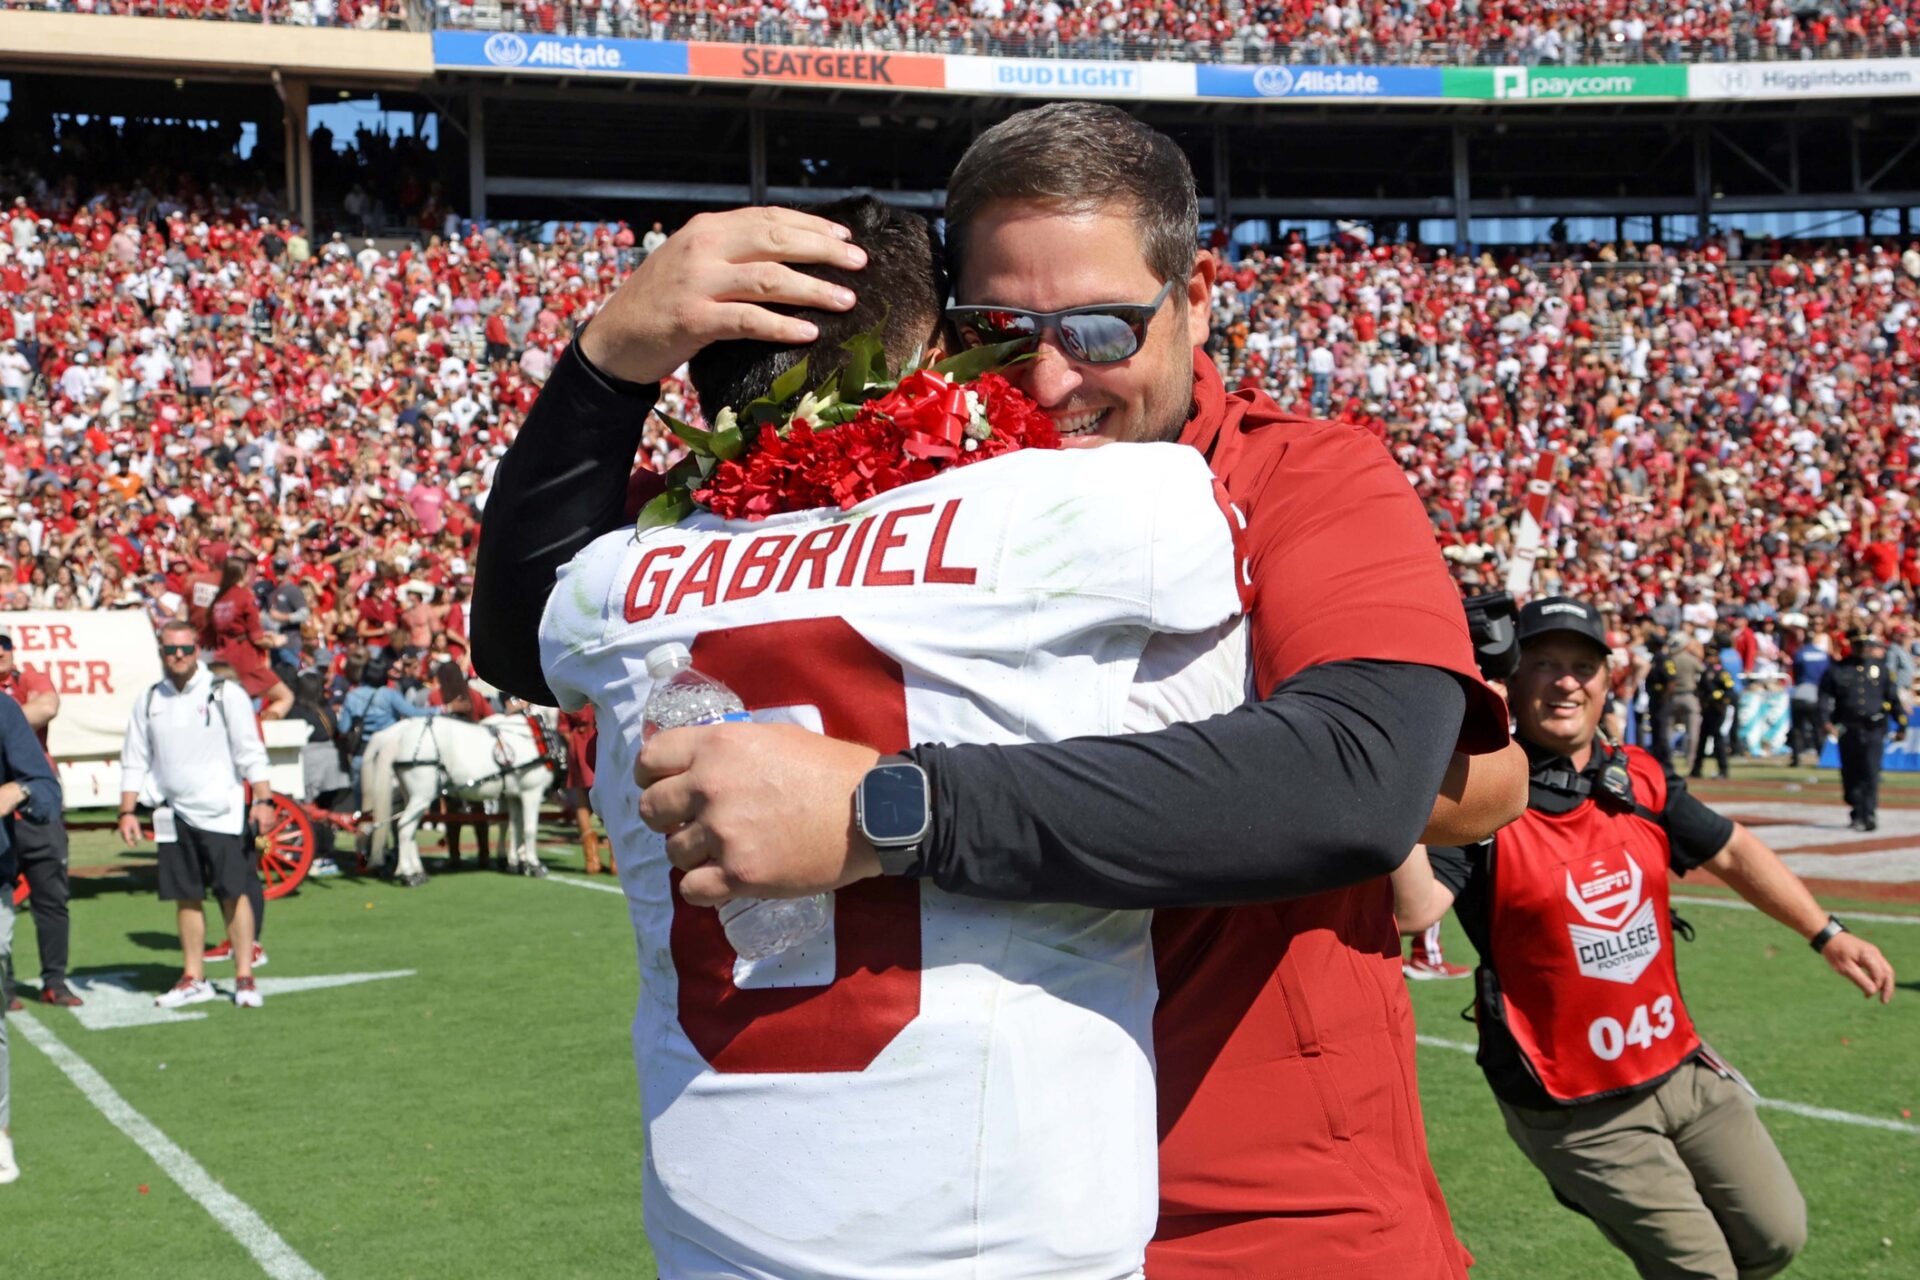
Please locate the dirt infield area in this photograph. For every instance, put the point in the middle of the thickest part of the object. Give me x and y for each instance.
(1800, 813)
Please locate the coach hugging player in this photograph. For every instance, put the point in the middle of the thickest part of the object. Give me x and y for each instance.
(1288, 1113)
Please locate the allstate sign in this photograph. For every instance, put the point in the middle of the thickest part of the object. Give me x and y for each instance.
(1277, 81)
(557, 55)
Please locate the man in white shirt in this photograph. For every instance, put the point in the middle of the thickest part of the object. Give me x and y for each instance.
(193, 745)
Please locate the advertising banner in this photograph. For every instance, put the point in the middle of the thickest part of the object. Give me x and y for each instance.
(99, 660)
(1065, 78)
(1319, 82)
(558, 55)
(1854, 78)
(1564, 84)
(856, 68)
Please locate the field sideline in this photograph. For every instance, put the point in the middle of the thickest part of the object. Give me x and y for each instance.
(478, 1116)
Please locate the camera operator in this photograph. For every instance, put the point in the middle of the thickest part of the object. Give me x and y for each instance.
(1584, 1038)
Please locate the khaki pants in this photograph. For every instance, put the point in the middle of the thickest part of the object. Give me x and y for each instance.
(1684, 1180)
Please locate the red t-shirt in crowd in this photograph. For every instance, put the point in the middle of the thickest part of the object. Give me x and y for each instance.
(23, 684)
(1291, 1139)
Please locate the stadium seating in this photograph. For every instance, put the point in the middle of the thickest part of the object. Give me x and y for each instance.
(362, 14)
(1436, 32)
(1734, 418)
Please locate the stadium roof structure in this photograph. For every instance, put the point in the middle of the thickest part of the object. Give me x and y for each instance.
(541, 124)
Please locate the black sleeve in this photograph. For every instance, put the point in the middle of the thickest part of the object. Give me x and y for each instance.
(1695, 833)
(561, 485)
(1452, 865)
(1328, 782)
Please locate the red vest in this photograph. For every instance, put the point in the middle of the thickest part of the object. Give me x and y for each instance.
(1583, 944)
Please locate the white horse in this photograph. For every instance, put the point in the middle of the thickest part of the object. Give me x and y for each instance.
(511, 757)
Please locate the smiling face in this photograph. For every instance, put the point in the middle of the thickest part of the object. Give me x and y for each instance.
(1559, 693)
(1036, 257)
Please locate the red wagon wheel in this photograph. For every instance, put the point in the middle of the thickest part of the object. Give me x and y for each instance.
(286, 848)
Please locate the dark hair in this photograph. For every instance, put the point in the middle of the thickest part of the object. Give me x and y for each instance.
(378, 669)
(901, 284)
(1079, 157)
(452, 681)
(310, 690)
(231, 573)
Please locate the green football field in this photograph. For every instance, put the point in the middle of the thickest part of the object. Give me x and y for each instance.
(460, 1101)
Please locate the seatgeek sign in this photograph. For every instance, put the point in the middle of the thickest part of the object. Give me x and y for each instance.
(519, 53)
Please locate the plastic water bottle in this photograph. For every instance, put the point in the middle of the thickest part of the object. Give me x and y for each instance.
(757, 927)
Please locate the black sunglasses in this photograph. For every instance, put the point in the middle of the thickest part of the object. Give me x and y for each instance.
(1105, 333)
(6, 644)
(178, 650)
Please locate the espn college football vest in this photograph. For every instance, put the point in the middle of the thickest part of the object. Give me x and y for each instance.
(1582, 944)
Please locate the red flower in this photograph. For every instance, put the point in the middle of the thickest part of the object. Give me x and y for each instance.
(912, 433)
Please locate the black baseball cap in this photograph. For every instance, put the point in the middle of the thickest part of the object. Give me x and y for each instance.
(1562, 613)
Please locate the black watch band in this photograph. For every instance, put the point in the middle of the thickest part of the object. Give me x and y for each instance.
(897, 857)
(1832, 930)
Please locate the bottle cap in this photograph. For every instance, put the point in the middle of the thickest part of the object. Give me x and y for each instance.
(665, 659)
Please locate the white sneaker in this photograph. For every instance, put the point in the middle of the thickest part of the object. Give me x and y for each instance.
(187, 991)
(245, 994)
(9, 1171)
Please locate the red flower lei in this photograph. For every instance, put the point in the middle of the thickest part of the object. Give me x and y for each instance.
(923, 426)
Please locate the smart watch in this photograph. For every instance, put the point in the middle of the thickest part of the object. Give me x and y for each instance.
(1833, 930)
(893, 810)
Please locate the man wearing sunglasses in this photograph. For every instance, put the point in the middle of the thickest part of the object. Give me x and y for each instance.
(192, 743)
(1291, 1131)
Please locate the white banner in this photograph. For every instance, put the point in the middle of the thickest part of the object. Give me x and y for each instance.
(1848, 78)
(99, 661)
(1067, 78)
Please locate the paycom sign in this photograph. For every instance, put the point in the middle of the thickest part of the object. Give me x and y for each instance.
(1565, 84)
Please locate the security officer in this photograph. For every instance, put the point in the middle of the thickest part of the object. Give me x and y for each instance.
(1661, 675)
(1858, 697)
(1718, 696)
(1584, 1037)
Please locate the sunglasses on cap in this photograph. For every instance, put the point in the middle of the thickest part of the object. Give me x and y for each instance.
(178, 650)
(1105, 333)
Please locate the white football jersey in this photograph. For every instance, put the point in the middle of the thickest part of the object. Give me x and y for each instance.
(936, 1086)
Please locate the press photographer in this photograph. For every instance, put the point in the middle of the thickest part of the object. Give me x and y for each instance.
(1584, 1037)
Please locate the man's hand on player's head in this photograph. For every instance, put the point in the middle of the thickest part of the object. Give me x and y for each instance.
(756, 810)
(712, 280)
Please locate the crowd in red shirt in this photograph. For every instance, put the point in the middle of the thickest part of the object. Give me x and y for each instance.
(1735, 423)
(1453, 32)
(177, 387)
(367, 15)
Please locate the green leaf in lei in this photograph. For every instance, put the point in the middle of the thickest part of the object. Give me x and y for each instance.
(668, 509)
(865, 373)
(698, 442)
(970, 364)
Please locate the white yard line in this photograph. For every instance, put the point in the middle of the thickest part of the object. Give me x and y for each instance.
(275, 1256)
(578, 883)
(1877, 918)
(1461, 1046)
(1797, 1108)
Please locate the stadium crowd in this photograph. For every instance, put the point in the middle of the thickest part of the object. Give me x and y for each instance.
(186, 376)
(366, 15)
(1442, 32)
(1460, 32)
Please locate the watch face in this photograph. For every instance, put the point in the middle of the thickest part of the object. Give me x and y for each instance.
(893, 804)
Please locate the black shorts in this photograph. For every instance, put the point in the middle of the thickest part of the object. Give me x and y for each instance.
(201, 860)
